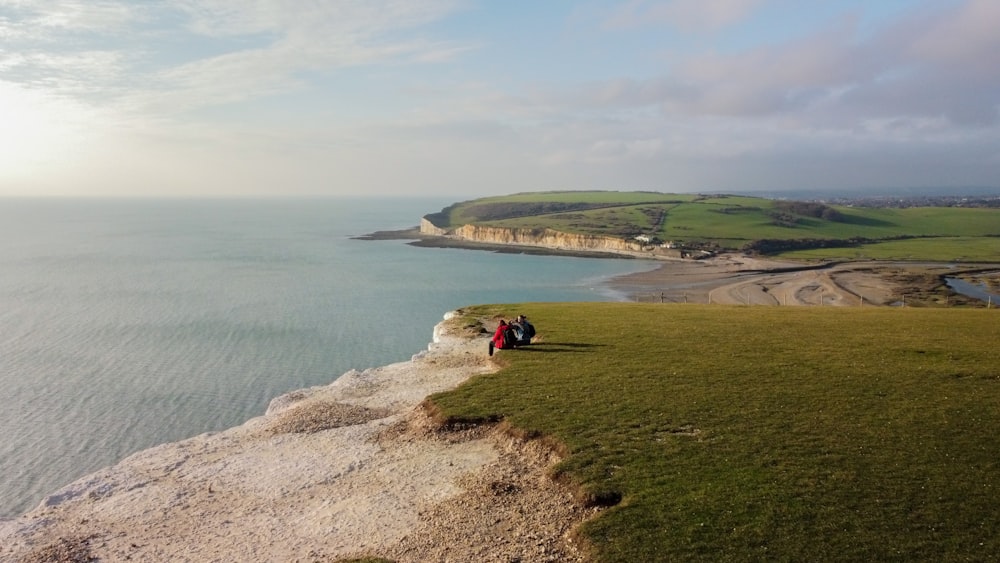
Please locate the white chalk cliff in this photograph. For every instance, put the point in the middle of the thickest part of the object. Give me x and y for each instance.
(549, 239)
(327, 472)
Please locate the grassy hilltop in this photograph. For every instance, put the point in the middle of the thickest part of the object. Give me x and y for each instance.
(721, 433)
(759, 225)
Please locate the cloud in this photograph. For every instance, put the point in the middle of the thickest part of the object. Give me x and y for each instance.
(317, 37)
(235, 50)
(847, 102)
(52, 21)
(966, 35)
(56, 47)
(930, 64)
(625, 149)
(683, 15)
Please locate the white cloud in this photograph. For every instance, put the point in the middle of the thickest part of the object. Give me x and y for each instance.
(259, 47)
(928, 65)
(969, 36)
(624, 149)
(309, 19)
(50, 21)
(684, 15)
(93, 16)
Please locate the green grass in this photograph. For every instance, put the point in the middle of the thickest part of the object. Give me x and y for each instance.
(467, 212)
(728, 224)
(612, 220)
(763, 433)
(942, 249)
(722, 220)
(596, 196)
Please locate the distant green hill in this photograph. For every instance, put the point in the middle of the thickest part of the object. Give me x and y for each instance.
(752, 224)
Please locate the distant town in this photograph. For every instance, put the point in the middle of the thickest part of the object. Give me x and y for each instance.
(917, 201)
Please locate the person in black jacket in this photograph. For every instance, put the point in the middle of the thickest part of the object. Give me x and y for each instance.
(526, 331)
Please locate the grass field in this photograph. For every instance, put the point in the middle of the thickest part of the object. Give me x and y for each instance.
(938, 249)
(762, 433)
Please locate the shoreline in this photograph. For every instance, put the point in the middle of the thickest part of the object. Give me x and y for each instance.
(736, 279)
(354, 468)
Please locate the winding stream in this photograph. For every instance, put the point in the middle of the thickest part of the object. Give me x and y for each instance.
(974, 290)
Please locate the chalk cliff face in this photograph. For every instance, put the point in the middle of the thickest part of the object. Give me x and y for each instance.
(547, 238)
(428, 228)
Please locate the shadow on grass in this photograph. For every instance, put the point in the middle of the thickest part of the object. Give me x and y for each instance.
(864, 221)
(558, 347)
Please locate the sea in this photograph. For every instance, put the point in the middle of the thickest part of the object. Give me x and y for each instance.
(127, 323)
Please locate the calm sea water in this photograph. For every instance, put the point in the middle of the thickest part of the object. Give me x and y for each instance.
(129, 323)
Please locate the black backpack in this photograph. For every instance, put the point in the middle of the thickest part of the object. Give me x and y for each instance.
(509, 337)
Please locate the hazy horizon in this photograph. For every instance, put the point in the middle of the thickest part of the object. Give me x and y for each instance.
(467, 98)
(849, 193)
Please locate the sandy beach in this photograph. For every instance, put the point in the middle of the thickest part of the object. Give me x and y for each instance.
(743, 280)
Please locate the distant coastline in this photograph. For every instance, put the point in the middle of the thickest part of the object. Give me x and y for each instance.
(735, 278)
(424, 240)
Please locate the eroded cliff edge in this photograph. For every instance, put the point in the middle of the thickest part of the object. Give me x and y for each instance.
(350, 469)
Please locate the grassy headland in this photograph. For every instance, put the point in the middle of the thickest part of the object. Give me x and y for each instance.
(725, 433)
(803, 230)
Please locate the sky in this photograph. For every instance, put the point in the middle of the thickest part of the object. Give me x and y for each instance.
(474, 98)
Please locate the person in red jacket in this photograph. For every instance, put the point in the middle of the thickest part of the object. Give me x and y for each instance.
(499, 339)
